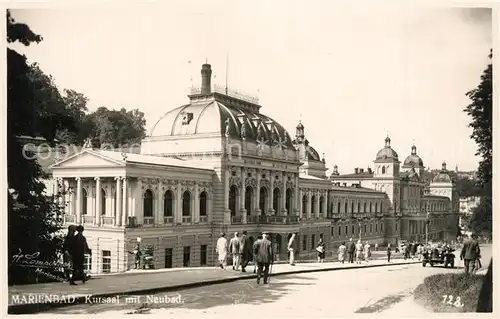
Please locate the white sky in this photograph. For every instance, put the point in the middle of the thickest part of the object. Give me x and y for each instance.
(353, 73)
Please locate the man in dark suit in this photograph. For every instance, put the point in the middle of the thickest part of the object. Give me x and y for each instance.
(246, 250)
(80, 248)
(351, 247)
(470, 253)
(264, 257)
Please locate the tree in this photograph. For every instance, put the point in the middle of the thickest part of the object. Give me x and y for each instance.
(481, 110)
(34, 108)
(116, 128)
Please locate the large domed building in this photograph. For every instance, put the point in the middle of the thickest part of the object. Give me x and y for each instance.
(218, 164)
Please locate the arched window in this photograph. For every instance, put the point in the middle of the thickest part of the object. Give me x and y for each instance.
(321, 201)
(263, 200)
(383, 169)
(248, 199)
(233, 194)
(148, 203)
(304, 204)
(84, 202)
(203, 204)
(313, 205)
(186, 204)
(277, 200)
(168, 204)
(103, 202)
(289, 198)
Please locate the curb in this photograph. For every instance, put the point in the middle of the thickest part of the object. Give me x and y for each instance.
(30, 308)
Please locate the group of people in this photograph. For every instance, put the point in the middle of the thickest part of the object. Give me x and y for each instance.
(242, 251)
(360, 251)
(74, 248)
(471, 255)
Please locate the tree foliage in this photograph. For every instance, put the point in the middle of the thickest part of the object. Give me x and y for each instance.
(34, 108)
(481, 111)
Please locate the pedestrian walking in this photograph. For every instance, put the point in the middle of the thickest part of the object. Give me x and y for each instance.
(321, 250)
(351, 248)
(246, 250)
(234, 249)
(389, 252)
(470, 253)
(367, 252)
(253, 254)
(413, 250)
(264, 256)
(359, 252)
(341, 252)
(68, 251)
(291, 253)
(80, 248)
(376, 246)
(221, 250)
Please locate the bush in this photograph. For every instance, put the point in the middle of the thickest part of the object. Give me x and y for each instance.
(431, 294)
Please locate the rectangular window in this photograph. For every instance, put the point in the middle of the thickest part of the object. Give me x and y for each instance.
(340, 231)
(203, 255)
(346, 230)
(365, 228)
(87, 262)
(331, 231)
(371, 228)
(169, 252)
(304, 242)
(187, 256)
(313, 242)
(106, 261)
(352, 229)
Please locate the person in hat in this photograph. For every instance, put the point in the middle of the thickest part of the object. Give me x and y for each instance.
(263, 251)
(221, 249)
(246, 250)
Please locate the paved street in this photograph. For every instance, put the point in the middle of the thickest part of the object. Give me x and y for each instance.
(322, 294)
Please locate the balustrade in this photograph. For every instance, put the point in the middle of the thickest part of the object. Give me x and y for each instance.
(106, 220)
(203, 219)
(186, 219)
(88, 219)
(168, 219)
(149, 220)
(70, 219)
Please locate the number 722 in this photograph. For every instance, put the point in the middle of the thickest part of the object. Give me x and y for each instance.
(448, 299)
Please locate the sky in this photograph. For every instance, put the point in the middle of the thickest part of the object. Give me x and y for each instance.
(352, 74)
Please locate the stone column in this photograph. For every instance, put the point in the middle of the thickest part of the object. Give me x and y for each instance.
(192, 204)
(78, 200)
(118, 201)
(316, 215)
(124, 204)
(309, 204)
(66, 199)
(98, 193)
(283, 195)
(257, 193)
(271, 211)
(243, 196)
(197, 203)
(160, 212)
(298, 197)
(299, 203)
(325, 205)
(227, 212)
(71, 204)
(178, 206)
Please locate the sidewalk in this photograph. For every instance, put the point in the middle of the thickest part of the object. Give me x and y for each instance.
(144, 282)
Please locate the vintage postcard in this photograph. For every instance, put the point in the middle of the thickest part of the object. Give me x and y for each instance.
(293, 158)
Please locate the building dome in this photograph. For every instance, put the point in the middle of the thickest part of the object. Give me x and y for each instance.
(387, 153)
(413, 160)
(213, 116)
(443, 176)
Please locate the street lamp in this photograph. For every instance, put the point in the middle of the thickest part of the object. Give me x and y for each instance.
(427, 222)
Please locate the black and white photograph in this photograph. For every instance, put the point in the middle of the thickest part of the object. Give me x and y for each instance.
(305, 159)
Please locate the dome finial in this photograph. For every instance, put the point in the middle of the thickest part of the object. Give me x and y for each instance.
(387, 141)
(444, 166)
(413, 150)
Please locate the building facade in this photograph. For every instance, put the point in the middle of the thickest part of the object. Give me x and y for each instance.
(217, 165)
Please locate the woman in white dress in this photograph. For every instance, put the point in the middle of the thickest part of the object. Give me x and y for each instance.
(359, 252)
(221, 250)
(341, 252)
(367, 251)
